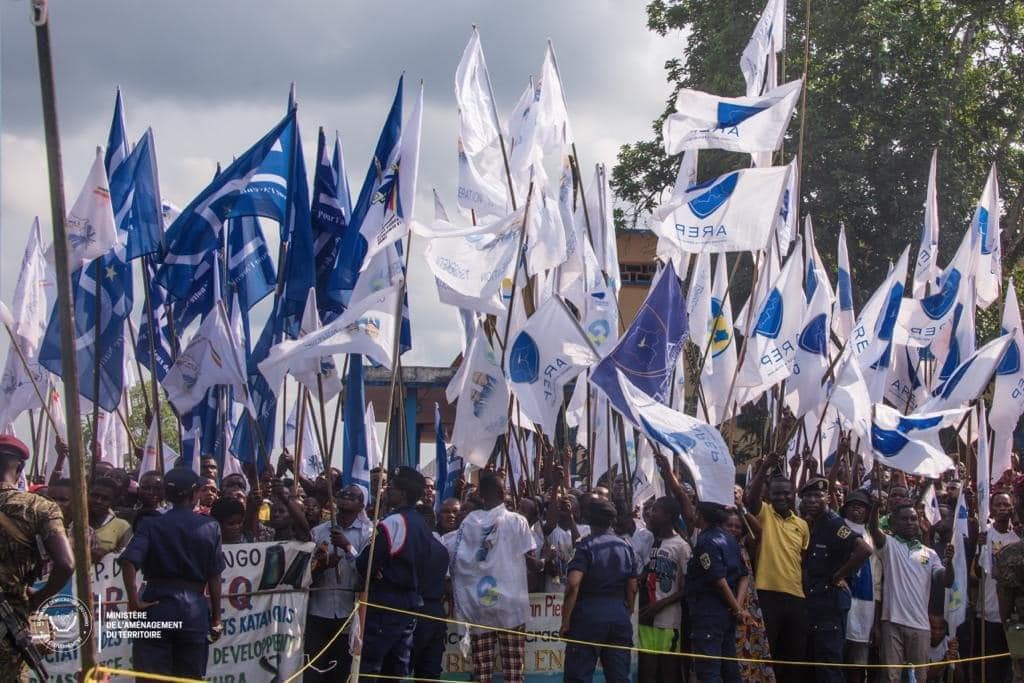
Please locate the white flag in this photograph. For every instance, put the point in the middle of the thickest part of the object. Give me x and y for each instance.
(390, 214)
(698, 300)
(481, 414)
(545, 234)
(1002, 462)
(307, 371)
(151, 451)
(734, 212)
(844, 318)
(366, 327)
(542, 128)
(875, 325)
(815, 273)
(737, 124)
(927, 321)
(90, 224)
(804, 390)
(931, 505)
(311, 464)
(956, 595)
(769, 37)
(771, 347)
(213, 357)
(785, 220)
(542, 357)
(971, 377)
(482, 186)
(982, 477)
(851, 399)
(720, 364)
(988, 252)
(1008, 397)
(27, 322)
(374, 454)
(926, 267)
(700, 446)
(910, 443)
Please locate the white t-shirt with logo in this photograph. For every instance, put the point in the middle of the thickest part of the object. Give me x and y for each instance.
(488, 568)
(907, 580)
(663, 575)
(565, 548)
(997, 540)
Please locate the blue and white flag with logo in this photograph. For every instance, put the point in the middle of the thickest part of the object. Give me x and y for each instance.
(844, 317)
(543, 356)
(961, 340)
(970, 377)
(910, 443)
(928, 321)
(314, 373)
(988, 252)
(768, 38)
(1008, 397)
(771, 346)
(329, 216)
(117, 138)
(815, 273)
(852, 400)
(698, 444)
(926, 268)
(811, 358)
(931, 505)
(481, 414)
(647, 352)
(872, 334)
(91, 228)
(721, 347)
(367, 328)
(698, 300)
(103, 337)
(355, 467)
(982, 477)
(737, 124)
(733, 212)
(135, 198)
(155, 317)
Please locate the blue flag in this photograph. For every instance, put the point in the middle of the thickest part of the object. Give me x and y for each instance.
(163, 351)
(297, 230)
(440, 460)
(250, 271)
(243, 188)
(330, 214)
(249, 444)
(355, 459)
(104, 337)
(353, 248)
(646, 354)
(135, 197)
(117, 139)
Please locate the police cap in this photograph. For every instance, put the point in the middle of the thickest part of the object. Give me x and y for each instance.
(815, 485)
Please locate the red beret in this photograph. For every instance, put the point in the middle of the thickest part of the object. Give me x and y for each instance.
(11, 445)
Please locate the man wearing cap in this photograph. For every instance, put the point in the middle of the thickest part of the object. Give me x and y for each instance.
(865, 583)
(600, 591)
(24, 518)
(834, 554)
(391, 560)
(179, 554)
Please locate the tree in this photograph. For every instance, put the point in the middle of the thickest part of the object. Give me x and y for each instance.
(140, 399)
(888, 80)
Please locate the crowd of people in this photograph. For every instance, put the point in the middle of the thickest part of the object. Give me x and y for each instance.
(808, 568)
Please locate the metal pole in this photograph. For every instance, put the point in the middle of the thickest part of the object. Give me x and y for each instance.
(58, 212)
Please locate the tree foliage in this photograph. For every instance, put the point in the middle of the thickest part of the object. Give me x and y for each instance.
(888, 80)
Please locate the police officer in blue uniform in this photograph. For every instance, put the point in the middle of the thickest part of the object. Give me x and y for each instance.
(428, 638)
(716, 586)
(834, 554)
(600, 591)
(403, 540)
(179, 554)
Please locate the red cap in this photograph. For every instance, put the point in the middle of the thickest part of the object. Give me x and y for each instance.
(12, 445)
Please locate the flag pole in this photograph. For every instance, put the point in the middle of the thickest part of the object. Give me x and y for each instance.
(803, 110)
(515, 275)
(28, 372)
(743, 347)
(325, 452)
(138, 364)
(98, 284)
(80, 511)
(501, 136)
(153, 328)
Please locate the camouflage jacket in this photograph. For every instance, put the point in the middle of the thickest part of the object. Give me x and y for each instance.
(1009, 575)
(38, 518)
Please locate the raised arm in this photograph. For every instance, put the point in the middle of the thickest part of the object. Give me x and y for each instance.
(676, 489)
(755, 489)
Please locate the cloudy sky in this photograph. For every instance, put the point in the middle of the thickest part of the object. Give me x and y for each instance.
(213, 77)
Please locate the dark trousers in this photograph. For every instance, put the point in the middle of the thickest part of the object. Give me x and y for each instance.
(581, 660)
(996, 670)
(428, 646)
(785, 624)
(335, 662)
(175, 653)
(716, 637)
(387, 644)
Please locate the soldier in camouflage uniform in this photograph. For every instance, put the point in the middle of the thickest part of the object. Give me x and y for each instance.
(1009, 576)
(24, 518)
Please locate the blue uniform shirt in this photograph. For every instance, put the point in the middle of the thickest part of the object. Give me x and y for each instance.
(607, 563)
(829, 548)
(433, 570)
(178, 546)
(402, 544)
(716, 555)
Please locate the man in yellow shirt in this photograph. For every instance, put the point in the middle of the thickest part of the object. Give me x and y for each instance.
(779, 580)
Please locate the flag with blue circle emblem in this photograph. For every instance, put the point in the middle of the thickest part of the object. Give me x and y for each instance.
(737, 124)
(647, 352)
(135, 198)
(956, 595)
(1007, 399)
(811, 359)
(103, 337)
(970, 377)
(988, 269)
(844, 315)
(698, 444)
(910, 443)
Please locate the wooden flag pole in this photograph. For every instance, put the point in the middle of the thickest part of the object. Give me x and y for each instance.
(28, 372)
(58, 212)
(97, 284)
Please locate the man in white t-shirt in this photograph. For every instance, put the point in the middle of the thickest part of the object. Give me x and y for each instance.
(909, 568)
(999, 535)
(488, 570)
(661, 592)
(563, 531)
